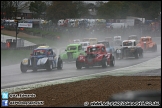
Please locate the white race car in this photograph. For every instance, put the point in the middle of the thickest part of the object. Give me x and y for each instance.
(76, 41)
(85, 45)
(117, 40)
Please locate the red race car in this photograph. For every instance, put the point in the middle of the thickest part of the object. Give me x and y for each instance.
(96, 55)
(147, 44)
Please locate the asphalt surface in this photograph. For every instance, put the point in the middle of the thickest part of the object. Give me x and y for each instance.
(5, 37)
(11, 75)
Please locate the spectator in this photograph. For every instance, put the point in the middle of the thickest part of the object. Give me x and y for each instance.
(8, 44)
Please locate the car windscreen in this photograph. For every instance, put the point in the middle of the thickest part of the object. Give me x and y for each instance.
(145, 40)
(117, 38)
(84, 44)
(39, 52)
(127, 43)
(72, 48)
(93, 49)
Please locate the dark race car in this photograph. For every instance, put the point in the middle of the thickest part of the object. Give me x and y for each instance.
(96, 55)
(129, 49)
(42, 57)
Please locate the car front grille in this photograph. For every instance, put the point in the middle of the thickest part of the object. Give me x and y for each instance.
(34, 61)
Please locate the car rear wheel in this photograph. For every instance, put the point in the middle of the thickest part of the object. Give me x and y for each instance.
(136, 54)
(78, 64)
(23, 68)
(49, 66)
(60, 64)
(104, 62)
(155, 48)
(112, 62)
(110, 51)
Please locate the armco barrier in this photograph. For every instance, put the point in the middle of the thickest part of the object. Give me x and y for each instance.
(23, 48)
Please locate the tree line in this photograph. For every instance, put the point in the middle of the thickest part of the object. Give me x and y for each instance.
(55, 10)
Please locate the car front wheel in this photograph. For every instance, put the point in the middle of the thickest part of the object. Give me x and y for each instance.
(60, 64)
(104, 62)
(23, 68)
(112, 62)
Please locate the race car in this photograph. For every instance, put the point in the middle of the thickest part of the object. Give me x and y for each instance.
(72, 51)
(147, 44)
(109, 49)
(42, 57)
(76, 41)
(96, 55)
(129, 49)
(85, 45)
(117, 40)
(109, 39)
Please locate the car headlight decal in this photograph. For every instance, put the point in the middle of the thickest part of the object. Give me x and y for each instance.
(25, 61)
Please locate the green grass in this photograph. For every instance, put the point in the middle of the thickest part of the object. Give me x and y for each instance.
(9, 57)
(41, 41)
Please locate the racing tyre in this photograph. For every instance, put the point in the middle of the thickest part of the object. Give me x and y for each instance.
(78, 65)
(23, 68)
(136, 54)
(155, 48)
(87, 66)
(112, 62)
(60, 64)
(104, 62)
(35, 69)
(141, 55)
(110, 51)
(49, 66)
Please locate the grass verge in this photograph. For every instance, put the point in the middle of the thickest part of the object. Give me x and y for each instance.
(9, 57)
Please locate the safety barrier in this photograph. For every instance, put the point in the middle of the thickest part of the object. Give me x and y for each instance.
(22, 48)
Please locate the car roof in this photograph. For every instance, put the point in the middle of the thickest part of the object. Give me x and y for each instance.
(132, 40)
(132, 35)
(108, 37)
(117, 36)
(103, 41)
(146, 37)
(43, 47)
(85, 42)
(75, 44)
(96, 45)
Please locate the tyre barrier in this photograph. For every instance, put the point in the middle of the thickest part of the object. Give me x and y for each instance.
(21, 48)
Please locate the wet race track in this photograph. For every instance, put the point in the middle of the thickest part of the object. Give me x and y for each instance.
(11, 75)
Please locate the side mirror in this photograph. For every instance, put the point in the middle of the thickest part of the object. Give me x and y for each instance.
(120, 45)
(85, 51)
(31, 54)
(65, 50)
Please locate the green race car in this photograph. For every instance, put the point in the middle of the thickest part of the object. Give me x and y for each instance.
(72, 51)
